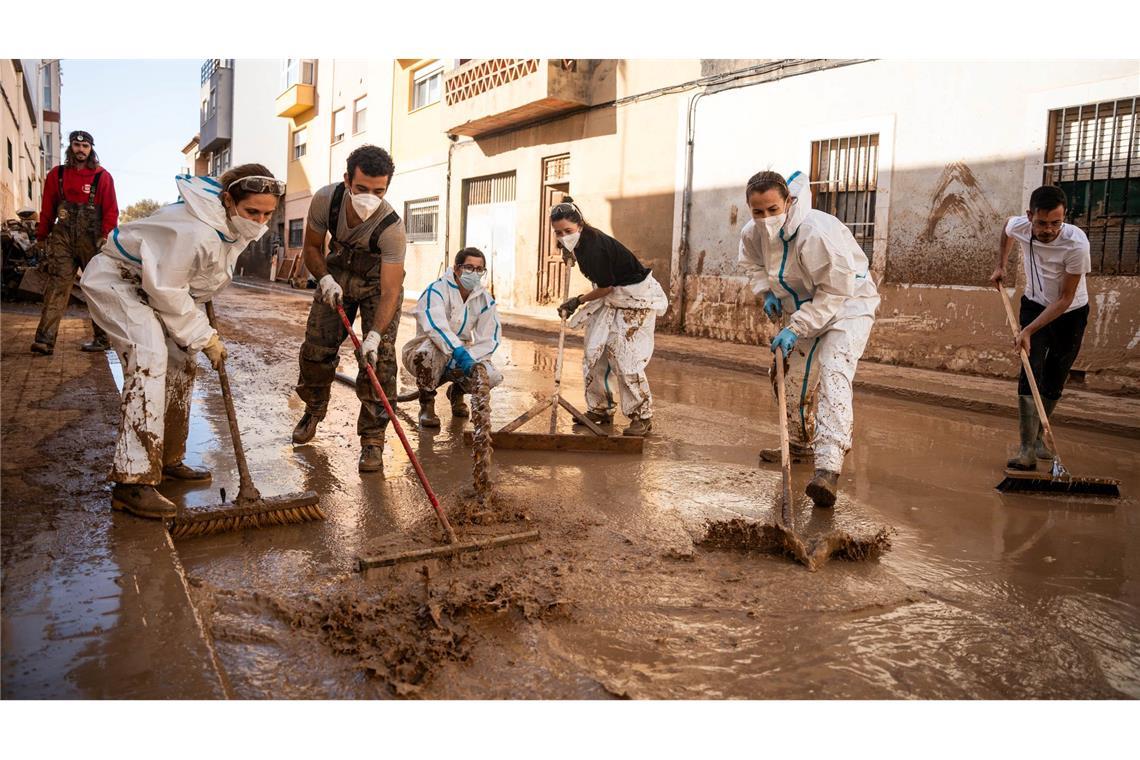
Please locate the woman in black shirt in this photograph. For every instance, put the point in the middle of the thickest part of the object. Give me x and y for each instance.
(619, 314)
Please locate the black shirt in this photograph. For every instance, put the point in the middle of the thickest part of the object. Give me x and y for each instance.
(606, 262)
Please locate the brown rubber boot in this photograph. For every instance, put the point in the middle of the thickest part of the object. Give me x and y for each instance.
(428, 418)
(1028, 425)
(823, 488)
(142, 500)
(371, 457)
(42, 348)
(1039, 446)
(639, 426)
(598, 418)
(800, 453)
(181, 471)
(458, 405)
(306, 428)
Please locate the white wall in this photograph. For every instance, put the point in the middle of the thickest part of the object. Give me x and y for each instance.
(259, 135)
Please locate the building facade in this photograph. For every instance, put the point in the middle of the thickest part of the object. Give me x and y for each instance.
(26, 144)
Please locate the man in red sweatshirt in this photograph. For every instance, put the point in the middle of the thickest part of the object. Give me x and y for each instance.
(79, 212)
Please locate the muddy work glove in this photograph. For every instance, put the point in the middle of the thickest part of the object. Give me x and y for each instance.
(571, 306)
(215, 351)
(772, 306)
(462, 358)
(329, 292)
(784, 341)
(375, 348)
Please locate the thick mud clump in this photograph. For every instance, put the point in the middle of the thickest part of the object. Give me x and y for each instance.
(468, 507)
(743, 535)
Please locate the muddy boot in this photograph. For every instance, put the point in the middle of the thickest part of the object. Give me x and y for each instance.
(798, 451)
(639, 426)
(1028, 426)
(598, 418)
(458, 405)
(306, 428)
(142, 500)
(1041, 449)
(823, 487)
(371, 457)
(42, 348)
(427, 410)
(97, 344)
(181, 471)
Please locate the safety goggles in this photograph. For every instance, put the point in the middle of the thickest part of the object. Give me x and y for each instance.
(259, 184)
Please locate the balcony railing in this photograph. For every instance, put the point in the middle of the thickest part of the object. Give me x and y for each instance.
(486, 95)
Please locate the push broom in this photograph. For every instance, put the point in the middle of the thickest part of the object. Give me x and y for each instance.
(1058, 479)
(250, 509)
(454, 545)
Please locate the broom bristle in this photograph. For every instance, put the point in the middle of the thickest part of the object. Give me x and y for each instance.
(1069, 485)
(265, 515)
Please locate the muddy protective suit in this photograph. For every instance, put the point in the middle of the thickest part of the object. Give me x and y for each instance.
(145, 289)
(618, 346)
(70, 245)
(821, 276)
(443, 322)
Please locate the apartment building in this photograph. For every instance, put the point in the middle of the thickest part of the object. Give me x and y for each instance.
(27, 142)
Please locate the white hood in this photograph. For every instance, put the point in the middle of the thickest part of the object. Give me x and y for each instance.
(201, 197)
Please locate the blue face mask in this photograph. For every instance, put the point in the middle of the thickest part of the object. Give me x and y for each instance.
(470, 280)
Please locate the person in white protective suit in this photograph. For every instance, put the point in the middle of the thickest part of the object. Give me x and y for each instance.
(457, 328)
(806, 265)
(145, 288)
(619, 315)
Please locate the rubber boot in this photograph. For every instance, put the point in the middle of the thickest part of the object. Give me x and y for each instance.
(1028, 425)
(182, 471)
(639, 426)
(799, 452)
(458, 405)
(142, 500)
(598, 418)
(427, 410)
(1042, 450)
(823, 488)
(42, 348)
(96, 345)
(306, 428)
(371, 457)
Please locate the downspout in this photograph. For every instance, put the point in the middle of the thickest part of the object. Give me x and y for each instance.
(454, 139)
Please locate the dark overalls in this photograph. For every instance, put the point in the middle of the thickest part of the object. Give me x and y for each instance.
(70, 245)
(357, 271)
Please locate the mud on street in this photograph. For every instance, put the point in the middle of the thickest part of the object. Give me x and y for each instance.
(982, 595)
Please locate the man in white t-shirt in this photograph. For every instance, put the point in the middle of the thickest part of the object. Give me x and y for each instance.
(1054, 307)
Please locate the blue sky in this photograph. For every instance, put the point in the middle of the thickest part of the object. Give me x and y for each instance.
(140, 112)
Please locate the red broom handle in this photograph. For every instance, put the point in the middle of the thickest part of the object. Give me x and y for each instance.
(451, 538)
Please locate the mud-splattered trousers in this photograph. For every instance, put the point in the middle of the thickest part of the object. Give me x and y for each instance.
(157, 384)
(819, 391)
(70, 246)
(320, 354)
(618, 346)
(432, 368)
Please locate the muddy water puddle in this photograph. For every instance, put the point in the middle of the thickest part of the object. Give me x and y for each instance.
(982, 595)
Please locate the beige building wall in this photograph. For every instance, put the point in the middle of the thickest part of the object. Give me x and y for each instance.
(21, 164)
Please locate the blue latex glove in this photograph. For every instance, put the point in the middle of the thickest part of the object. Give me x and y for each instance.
(462, 358)
(785, 339)
(772, 305)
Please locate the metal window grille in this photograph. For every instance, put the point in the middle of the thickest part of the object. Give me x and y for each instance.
(296, 233)
(420, 220)
(844, 178)
(556, 169)
(1094, 156)
(497, 189)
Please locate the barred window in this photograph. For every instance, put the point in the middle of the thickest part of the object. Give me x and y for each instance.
(1093, 155)
(844, 179)
(296, 233)
(420, 220)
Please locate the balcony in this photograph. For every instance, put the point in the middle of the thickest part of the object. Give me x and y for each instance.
(488, 95)
(216, 123)
(297, 99)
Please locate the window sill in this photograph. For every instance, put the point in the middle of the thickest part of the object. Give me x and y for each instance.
(424, 107)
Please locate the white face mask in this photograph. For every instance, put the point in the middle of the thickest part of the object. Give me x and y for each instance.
(570, 242)
(772, 224)
(247, 229)
(365, 204)
(470, 280)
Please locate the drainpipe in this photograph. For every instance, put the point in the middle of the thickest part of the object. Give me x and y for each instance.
(447, 206)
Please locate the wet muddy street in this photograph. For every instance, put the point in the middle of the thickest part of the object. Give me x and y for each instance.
(981, 595)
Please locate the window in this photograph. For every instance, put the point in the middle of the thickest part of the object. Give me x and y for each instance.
(338, 125)
(420, 218)
(30, 196)
(205, 110)
(47, 93)
(220, 162)
(10, 155)
(299, 144)
(298, 71)
(296, 233)
(1094, 156)
(844, 177)
(213, 109)
(360, 115)
(426, 86)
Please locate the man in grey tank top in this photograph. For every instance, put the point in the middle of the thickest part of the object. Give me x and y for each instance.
(364, 272)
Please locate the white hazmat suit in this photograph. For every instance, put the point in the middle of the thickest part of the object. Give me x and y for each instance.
(145, 288)
(822, 278)
(443, 321)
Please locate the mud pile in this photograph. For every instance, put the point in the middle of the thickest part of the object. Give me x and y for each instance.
(744, 535)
